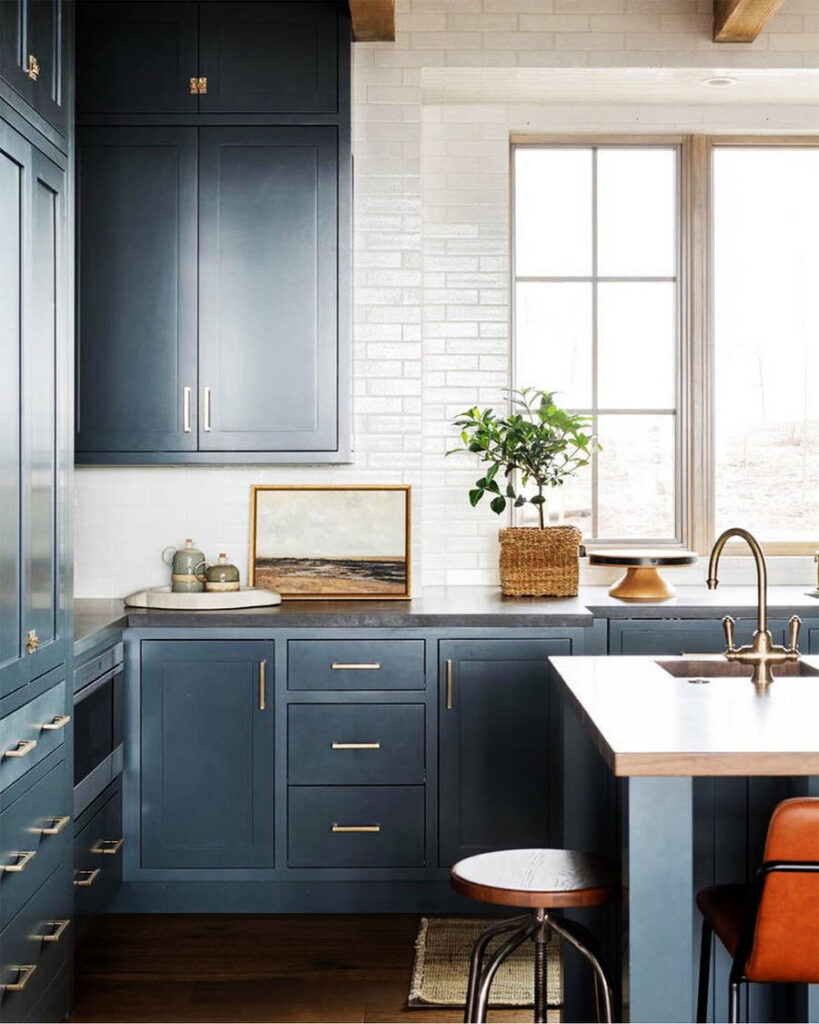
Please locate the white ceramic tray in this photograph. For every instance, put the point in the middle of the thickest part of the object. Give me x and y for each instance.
(163, 597)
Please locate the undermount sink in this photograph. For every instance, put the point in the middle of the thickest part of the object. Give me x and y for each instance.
(719, 668)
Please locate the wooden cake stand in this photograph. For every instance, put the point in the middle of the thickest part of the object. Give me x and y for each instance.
(641, 581)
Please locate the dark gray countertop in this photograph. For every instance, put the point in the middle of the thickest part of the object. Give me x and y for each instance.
(95, 620)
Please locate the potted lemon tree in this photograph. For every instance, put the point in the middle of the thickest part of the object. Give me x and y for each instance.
(534, 447)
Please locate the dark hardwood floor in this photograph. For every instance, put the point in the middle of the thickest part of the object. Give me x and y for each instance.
(262, 968)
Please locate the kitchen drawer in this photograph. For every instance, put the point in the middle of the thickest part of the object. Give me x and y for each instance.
(26, 957)
(326, 826)
(93, 669)
(98, 857)
(30, 733)
(355, 665)
(25, 847)
(353, 744)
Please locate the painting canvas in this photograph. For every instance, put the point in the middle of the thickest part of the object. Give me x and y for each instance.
(331, 542)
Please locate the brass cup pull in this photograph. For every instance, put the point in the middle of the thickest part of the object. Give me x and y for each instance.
(56, 723)
(23, 747)
(24, 858)
(24, 973)
(360, 666)
(85, 877)
(56, 826)
(107, 846)
(355, 746)
(356, 828)
(55, 936)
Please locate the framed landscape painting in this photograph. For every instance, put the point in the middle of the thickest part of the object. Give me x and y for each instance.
(319, 541)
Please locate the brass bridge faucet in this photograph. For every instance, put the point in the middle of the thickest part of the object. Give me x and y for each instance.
(762, 653)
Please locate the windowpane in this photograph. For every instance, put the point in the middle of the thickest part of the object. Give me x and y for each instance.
(553, 229)
(637, 212)
(567, 505)
(766, 340)
(554, 332)
(636, 332)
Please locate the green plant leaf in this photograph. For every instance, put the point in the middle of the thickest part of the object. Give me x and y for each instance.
(498, 504)
(475, 496)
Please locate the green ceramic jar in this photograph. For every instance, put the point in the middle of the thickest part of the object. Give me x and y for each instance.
(220, 578)
(183, 563)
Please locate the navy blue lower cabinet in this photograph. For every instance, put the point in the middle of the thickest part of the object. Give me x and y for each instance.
(207, 754)
(493, 756)
(682, 636)
(98, 851)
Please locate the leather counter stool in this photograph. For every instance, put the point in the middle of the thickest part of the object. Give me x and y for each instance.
(770, 927)
(541, 881)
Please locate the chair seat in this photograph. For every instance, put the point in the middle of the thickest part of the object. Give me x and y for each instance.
(724, 907)
(538, 879)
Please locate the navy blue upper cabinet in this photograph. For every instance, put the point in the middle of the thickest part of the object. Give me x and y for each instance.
(136, 371)
(33, 57)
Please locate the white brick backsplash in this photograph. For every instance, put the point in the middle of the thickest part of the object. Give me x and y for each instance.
(431, 302)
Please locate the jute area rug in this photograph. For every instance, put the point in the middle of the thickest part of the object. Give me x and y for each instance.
(441, 967)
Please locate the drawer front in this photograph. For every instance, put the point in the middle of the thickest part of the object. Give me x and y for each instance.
(30, 733)
(98, 860)
(355, 665)
(326, 826)
(28, 855)
(355, 744)
(683, 636)
(34, 946)
(98, 666)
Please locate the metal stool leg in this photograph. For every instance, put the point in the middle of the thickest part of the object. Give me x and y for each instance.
(541, 941)
(497, 958)
(476, 959)
(705, 971)
(576, 935)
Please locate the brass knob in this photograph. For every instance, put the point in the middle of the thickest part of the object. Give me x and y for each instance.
(33, 68)
(32, 641)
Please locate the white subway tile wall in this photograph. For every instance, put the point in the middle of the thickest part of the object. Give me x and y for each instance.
(431, 307)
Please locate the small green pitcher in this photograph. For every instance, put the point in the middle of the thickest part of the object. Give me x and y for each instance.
(220, 578)
(183, 563)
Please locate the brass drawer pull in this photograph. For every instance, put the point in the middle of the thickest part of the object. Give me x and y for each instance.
(355, 746)
(23, 747)
(24, 858)
(24, 973)
(57, 722)
(89, 876)
(356, 828)
(56, 826)
(107, 846)
(55, 936)
(360, 666)
(449, 684)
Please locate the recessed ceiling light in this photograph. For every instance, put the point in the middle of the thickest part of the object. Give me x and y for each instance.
(719, 81)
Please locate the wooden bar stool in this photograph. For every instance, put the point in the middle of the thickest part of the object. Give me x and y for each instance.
(770, 927)
(541, 880)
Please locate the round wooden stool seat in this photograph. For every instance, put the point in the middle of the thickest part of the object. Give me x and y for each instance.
(539, 879)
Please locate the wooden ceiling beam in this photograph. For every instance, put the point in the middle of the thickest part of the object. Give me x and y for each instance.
(373, 21)
(741, 21)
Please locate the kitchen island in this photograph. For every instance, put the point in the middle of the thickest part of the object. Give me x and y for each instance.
(660, 726)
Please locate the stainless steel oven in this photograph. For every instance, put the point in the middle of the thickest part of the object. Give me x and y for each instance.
(97, 726)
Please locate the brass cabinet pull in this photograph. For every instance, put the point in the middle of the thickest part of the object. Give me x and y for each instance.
(107, 846)
(33, 68)
(56, 723)
(32, 641)
(24, 858)
(355, 746)
(194, 86)
(56, 826)
(23, 747)
(55, 936)
(356, 828)
(85, 877)
(198, 86)
(357, 666)
(24, 973)
(262, 684)
(206, 393)
(449, 684)
(186, 408)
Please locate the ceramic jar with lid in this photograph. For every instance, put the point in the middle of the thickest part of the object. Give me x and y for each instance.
(221, 577)
(183, 563)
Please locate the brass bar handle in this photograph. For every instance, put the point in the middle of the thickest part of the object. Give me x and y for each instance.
(186, 410)
(262, 684)
(25, 857)
(57, 722)
(88, 877)
(110, 846)
(449, 684)
(24, 973)
(56, 826)
(59, 927)
(355, 746)
(356, 666)
(23, 747)
(206, 422)
(356, 828)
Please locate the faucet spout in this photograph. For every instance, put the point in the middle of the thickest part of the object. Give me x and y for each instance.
(761, 570)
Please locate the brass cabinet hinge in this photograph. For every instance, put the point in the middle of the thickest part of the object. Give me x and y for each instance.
(33, 68)
(199, 86)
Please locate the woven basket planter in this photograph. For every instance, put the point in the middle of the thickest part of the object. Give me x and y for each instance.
(539, 563)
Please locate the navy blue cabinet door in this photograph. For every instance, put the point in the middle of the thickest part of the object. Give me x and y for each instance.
(32, 55)
(136, 339)
(268, 264)
(269, 57)
(136, 57)
(493, 755)
(207, 754)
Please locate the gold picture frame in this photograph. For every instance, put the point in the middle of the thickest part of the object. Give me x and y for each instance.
(353, 546)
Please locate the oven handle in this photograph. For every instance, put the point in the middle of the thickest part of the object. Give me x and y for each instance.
(97, 684)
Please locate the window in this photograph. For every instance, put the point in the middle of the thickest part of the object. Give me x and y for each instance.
(697, 424)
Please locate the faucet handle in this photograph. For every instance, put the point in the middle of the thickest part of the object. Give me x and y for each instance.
(728, 625)
(794, 623)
